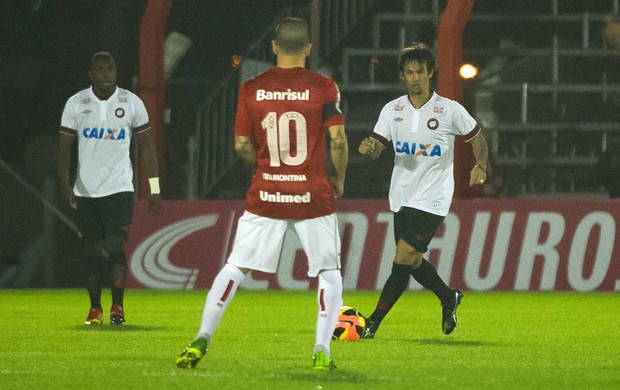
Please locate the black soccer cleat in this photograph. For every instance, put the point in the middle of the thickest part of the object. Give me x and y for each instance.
(448, 312)
(117, 315)
(369, 332)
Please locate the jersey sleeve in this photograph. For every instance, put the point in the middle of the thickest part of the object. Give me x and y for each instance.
(332, 114)
(382, 131)
(68, 122)
(463, 123)
(140, 120)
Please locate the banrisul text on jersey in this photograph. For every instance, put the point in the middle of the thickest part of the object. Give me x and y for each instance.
(262, 94)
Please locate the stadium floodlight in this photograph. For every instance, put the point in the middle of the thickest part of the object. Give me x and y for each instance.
(468, 71)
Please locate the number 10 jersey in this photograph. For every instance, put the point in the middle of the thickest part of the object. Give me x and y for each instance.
(286, 113)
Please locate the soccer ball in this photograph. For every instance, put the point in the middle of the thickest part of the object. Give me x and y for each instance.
(350, 325)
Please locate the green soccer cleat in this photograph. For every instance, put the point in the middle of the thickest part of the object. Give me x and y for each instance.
(192, 354)
(322, 362)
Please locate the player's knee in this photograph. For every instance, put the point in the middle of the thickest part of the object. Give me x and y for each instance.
(407, 254)
(94, 249)
(114, 244)
(332, 276)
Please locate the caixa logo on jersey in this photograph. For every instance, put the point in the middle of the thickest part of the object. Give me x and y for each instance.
(416, 149)
(103, 133)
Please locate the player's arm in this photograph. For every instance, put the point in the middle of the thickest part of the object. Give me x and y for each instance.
(478, 174)
(340, 157)
(246, 150)
(371, 148)
(66, 138)
(147, 154)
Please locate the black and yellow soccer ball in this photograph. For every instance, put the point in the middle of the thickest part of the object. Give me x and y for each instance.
(350, 326)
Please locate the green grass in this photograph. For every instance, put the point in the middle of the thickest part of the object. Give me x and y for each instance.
(265, 340)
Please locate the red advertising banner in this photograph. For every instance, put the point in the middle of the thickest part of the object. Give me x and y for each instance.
(507, 245)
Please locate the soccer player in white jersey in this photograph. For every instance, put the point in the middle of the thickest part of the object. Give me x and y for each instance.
(282, 119)
(104, 120)
(422, 127)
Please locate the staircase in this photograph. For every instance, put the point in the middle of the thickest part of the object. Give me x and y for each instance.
(548, 93)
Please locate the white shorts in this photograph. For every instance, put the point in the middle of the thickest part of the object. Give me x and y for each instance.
(258, 242)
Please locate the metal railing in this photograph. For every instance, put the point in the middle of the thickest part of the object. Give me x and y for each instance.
(544, 140)
(210, 149)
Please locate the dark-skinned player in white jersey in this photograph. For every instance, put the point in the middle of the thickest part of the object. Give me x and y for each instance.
(104, 120)
(280, 127)
(422, 127)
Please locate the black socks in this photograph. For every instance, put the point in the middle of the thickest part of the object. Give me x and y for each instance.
(427, 276)
(392, 290)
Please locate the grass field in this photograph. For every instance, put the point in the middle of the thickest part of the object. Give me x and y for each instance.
(265, 340)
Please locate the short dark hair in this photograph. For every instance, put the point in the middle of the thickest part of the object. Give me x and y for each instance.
(101, 56)
(292, 35)
(418, 52)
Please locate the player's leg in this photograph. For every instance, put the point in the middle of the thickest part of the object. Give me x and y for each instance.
(117, 212)
(329, 300)
(93, 255)
(450, 299)
(219, 297)
(95, 269)
(413, 232)
(257, 245)
(395, 285)
(321, 241)
(425, 273)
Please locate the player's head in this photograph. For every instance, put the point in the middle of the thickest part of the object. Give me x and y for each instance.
(292, 36)
(417, 68)
(102, 73)
(416, 52)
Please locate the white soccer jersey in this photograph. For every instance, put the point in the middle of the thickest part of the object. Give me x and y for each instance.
(423, 141)
(104, 129)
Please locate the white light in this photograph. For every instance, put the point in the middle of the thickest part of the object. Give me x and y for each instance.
(468, 71)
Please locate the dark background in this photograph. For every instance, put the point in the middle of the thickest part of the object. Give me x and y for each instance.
(46, 46)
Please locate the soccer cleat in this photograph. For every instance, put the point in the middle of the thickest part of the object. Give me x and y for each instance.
(192, 354)
(95, 316)
(117, 315)
(448, 312)
(322, 362)
(369, 332)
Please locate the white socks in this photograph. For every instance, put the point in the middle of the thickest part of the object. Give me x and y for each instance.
(222, 292)
(329, 298)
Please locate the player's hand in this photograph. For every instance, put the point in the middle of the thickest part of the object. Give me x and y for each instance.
(69, 197)
(154, 205)
(337, 186)
(478, 175)
(367, 146)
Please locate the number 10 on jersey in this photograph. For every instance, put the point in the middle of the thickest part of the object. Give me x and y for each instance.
(278, 138)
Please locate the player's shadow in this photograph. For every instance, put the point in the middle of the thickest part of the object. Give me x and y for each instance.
(445, 342)
(336, 376)
(116, 328)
